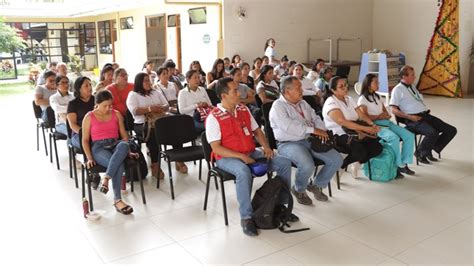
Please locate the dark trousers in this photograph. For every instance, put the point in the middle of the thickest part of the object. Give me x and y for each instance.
(151, 144)
(437, 133)
(358, 151)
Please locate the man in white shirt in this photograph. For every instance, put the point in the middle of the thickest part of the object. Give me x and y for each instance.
(230, 130)
(293, 120)
(407, 103)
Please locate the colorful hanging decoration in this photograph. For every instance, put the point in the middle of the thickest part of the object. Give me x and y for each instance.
(441, 73)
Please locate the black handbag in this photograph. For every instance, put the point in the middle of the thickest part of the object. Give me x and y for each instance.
(355, 135)
(318, 145)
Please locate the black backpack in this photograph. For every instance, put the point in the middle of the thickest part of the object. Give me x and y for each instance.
(269, 213)
(133, 175)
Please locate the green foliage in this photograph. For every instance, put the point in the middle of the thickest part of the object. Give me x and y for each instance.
(75, 64)
(9, 38)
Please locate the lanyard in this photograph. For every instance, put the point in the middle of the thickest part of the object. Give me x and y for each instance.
(414, 94)
(299, 110)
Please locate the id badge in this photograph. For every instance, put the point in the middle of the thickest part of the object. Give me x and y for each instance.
(246, 131)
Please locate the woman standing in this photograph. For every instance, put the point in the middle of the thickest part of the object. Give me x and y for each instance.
(270, 51)
(372, 106)
(104, 127)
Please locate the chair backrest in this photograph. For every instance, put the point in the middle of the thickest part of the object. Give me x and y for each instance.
(37, 110)
(51, 117)
(129, 121)
(314, 104)
(175, 130)
(213, 96)
(206, 147)
(266, 127)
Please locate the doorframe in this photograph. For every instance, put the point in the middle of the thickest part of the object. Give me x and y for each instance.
(165, 29)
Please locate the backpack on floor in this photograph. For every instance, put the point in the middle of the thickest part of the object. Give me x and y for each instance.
(383, 167)
(269, 213)
(133, 175)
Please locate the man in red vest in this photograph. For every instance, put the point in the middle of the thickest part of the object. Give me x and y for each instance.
(230, 129)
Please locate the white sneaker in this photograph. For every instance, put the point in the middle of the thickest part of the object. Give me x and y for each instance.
(354, 169)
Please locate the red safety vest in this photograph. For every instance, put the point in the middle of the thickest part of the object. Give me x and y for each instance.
(233, 130)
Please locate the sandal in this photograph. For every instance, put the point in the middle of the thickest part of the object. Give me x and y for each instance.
(181, 167)
(127, 209)
(105, 188)
(154, 170)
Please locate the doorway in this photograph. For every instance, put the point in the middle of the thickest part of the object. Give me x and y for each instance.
(156, 39)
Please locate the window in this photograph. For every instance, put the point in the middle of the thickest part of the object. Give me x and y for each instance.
(107, 35)
(126, 23)
(197, 15)
(172, 21)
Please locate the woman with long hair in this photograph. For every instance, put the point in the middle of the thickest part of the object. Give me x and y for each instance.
(216, 73)
(106, 78)
(372, 106)
(270, 51)
(267, 88)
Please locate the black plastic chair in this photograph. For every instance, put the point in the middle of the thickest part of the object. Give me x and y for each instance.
(213, 96)
(72, 151)
(53, 135)
(215, 172)
(177, 130)
(273, 144)
(40, 124)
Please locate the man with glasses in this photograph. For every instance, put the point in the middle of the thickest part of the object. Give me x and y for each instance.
(293, 121)
(407, 104)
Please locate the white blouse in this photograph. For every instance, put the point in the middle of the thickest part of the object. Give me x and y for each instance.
(135, 100)
(348, 109)
(170, 92)
(373, 108)
(188, 100)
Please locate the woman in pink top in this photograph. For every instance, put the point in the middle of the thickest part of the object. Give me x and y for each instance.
(120, 89)
(103, 126)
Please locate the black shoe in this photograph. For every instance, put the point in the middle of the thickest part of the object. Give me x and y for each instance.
(248, 226)
(431, 158)
(95, 180)
(301, 197)
(423, 159)
(399, 174)
(293, 218)
(406, 170)
(318, 192)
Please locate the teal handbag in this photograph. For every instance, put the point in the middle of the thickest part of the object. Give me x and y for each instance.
(382, 167)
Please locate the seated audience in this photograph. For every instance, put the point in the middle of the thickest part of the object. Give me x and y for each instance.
(104, 127)
(230, 130)
(407, 103)
(173, 74)
(313, 75)
(308, 87)
(227, 65)
(257, 65)
(141, 101)
(168, 89)
(62, 71)
(78, 108)
(322, 84)
(120, 90)
(106, 78)
(148, 67)
(265, 60)
(44, 92)
(247, 95)
(293, 121)
(246, 79)
(236, 61)
(267, 88)
(372, 106)
(52, 66)
(193, 97)
(59, 102)
(195, 65)
(216, 73)
(281, 69)
(340, 111)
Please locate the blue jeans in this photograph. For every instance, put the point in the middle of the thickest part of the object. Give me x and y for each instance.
(244, 178)
(301, 155)
(61, 128)
(392, 134)
(113, 160)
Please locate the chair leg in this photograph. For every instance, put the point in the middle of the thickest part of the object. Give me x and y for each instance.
(73, 159)
(50, 148)
(70, 162)
(140, 180)
(370, 170)
(224, 205)
(338, 180)
(416, 150)
(329, 189)
(37, 138)
(215, 182)
(83, 182)
(207, 189)
(171, 180)
(56, 153)
(89, 191)
(158, 172)
(200, 169)
(44, 140)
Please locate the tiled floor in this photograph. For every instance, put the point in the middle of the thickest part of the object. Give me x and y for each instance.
(424, 219)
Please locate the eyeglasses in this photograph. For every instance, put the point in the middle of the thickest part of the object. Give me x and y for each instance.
(64, 82)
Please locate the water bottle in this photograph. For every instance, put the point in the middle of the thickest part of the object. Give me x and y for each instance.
(85, 207)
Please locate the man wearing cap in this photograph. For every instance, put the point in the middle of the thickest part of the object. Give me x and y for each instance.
(230, 130)
(293, 121)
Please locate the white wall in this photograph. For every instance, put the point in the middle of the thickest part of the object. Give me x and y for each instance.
(291, 23)
(407, 26)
